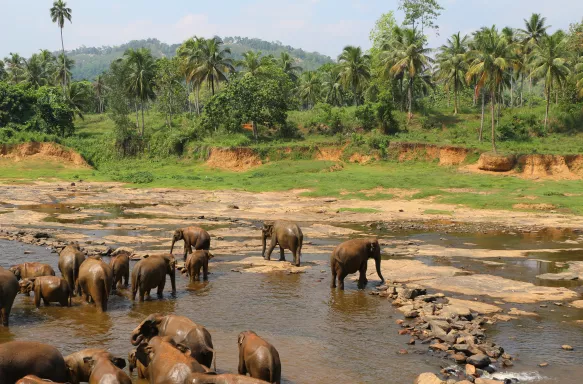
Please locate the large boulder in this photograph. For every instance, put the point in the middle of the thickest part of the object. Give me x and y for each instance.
(496, 162)
(428, 378)
(479, 360)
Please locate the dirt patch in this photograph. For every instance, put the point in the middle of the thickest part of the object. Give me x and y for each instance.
(496, 162)
(429, 152)
(43, 151)
(550, 167)
(397, 192)
(329, 154)
(536, 207)
(362, 159)
(233, 159)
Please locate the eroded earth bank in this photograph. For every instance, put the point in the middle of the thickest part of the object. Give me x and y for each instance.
(505, 285)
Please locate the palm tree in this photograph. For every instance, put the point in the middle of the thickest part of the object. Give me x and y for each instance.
(99, 88)
(15, 65)
(60, 13)
(489, 63)
(287, 64)
(141, 72)
(213, 64)
(3, 72)
(579, 76)
(309, 88)
(550, 64)
(453, 65)
(331, 88)
(254, 64)
(35, 71)
(63, 73)
(534, 29)
(354, 70)
(79, 97)
(190, 53)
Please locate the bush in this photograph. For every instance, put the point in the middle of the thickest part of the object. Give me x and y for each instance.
(141, 177)
(520, 127)
(366, 116)
(379, 142)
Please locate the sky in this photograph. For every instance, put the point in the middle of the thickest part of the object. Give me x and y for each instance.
(325, 26)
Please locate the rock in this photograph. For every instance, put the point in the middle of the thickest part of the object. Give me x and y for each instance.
(439, 347)
(559, 276)
(41, 235)
(399, 322)
(403, 352)
(487, 381)
(411, 314)
(577, 304)
(411, 341)
(411, 292)
(479, 361)
(233, 206)
(428, 378)
(542, 365)
(459, 358)
(493, 352)
(470, 370)
(496, 162)
(567, 347)
(507, 363)
(463, 348)
(27, 252)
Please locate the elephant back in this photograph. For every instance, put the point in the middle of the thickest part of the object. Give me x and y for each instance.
(21, 358)
(8, 283)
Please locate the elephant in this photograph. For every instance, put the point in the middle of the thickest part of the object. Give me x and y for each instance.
(133, 363)
(104, 371)
(285, 234)
(150, 273)
(182, 330)
(70, 259)
(226, 378)
(21, 358)
(95, 281)
(8, 290)
(120, 266)
(80, 371)
(32, 379)
(195, 261)
(352, 256)
(28, 270)
(48, 288)
(192, 236)
(258, 358)
(166, 361)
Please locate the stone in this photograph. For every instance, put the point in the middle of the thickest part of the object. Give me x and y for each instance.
(459, 358)
(542, 365)
(41, 235)
(487, 381)
(411, 341)
(577, 304)
(439, 347)
(507, 363)
(559, 276)
(518, 312)
(567, 347)
(470, 370)
(411, 292)
(479, 360)
(403, 352)
(411, 314)
(463, 348)
(493, 352)
(399, 322)
(428, 378)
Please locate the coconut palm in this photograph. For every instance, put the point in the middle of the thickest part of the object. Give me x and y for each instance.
(254, 64)
(79, 97)
(141, 72)
(62, 73)
(35, 73)
(15, 65)
(331, 88)
(213, 64)
(190, 53)
(550, 63)
(99, 89)
(490, 60)
(60, 13)
(354, 69)
(309, 88)
(287, 64)
(453, 65)
(533, 31)
(579, 76)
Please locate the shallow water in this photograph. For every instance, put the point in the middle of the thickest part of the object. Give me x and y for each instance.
(322, 336)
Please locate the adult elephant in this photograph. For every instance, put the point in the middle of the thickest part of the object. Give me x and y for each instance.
(21, 358)
(80, 371)
(49, 289)
(193, 237)
(31, 270)
(182, 330)
(150, 273)
(258, 358)
(95, 281)
(352, 256)
(134, 364)
(70, 260)
(33, 379)
(166, 361)
(285, 234)
(104, 371)
(8, 290)
(226, 378)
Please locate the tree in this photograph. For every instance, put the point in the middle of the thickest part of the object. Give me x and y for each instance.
(550, 64)
(453, 65)
(169, 89)
(80, 97)
(309, 88)
(141, 71)
(213, 64)
(331, 87)
(60, 13)
(421, 12)
(354, 71)
(289, 67)
(16, 67)
(35, 73)
(534, 29)
(99, 89)
(383, 30)
(63, 72)
(3, 72)
(190, 53)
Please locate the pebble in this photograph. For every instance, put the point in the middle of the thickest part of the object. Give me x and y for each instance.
(403, 352)
(542, 365)
(567, 347)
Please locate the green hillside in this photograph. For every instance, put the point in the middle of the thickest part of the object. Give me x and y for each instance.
(91, 61)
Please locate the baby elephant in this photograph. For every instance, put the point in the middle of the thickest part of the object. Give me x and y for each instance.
(196, 261)
(258, 358)
(133, 363)
(103, 370)
(49, 289)
(120, 266)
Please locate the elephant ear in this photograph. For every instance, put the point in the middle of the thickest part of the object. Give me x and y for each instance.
(241, 338)
(89, 361)
(143, 354)
(118, 362)
(183, 348)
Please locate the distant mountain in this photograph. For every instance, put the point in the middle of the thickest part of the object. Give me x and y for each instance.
(90, 62)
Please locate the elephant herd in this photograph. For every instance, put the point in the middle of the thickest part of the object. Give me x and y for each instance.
(169, 349)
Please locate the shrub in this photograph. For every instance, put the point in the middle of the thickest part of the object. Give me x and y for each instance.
(366, 116)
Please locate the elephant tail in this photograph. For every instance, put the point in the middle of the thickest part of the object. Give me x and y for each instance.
(104, 293)
(214, 358)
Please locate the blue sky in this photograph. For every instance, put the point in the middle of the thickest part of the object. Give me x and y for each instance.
(315, 25)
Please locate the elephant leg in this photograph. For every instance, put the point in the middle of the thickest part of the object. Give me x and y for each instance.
(281, 254)
(341, 276)
(296, 254)
(272, 245)
(127, 279)
(134, 292)
(186, 246)
(142, 294)
(4, 313)
(161, 288)
(242, 369)
(362, 281)
(37, 301)
(333, 269)
(64, 301)
(46, 302)
(205, 272)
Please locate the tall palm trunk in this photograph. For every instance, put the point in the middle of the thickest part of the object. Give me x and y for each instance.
(198, 99)
(482, 121)
(548, 105)
(188, 88)
(493, 107)
(455, 95)
(410, 99)
(521, 90)
(142, 106)
(64, 64)
(511, 92)
(137, 116)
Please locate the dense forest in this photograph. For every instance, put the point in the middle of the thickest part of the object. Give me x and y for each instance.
(523, 83)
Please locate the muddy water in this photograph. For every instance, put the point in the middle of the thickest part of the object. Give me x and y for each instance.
(322, 336)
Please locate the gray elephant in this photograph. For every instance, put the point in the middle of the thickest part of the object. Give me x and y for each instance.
(195, 262)
(258, 358)
(182, 330)
(70, 259)
(49, 289)
(8, 291)
(80, 371)
(120, 266)
(95, 281)
(225, 378)
(193, 237)
(150, 273)
(28, 270)
(352, 256)
(21, 358)
(285, 234)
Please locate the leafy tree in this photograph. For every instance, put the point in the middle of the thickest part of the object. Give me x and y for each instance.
(354, 71)
(16, 67)
(63, 72)
(383, 30)
(453, 65)
(190, 54)
(213, 64)
(288, 65)
(80, 97)
(60, 13)
(332, 90)
(170, 94)
(550, 64)
(17, 103)
(420, 12)
(3, 73)
(140, 77)
(55, 113)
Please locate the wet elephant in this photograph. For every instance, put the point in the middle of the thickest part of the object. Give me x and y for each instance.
(104, 371)
(166, 361)
(193, 237)
(150, 273)
(133, 363)
(21, 358)
(8, 290)
(352, 256)
(33, 379)
(49, 289)
(182, 330)
(80, 371)
(197, 261)
(28, 270)
(95, 281)
(258, 358)
(120, 267)
(70, 260)
(285, 234)
(226, 378)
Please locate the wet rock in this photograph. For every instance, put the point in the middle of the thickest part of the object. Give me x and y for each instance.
(459, 358)
(493, 352)
(411, 341)
(428, 378)
(507, 363)
(462, 348)
(479, 360)
(487, 381)
(411, 292)
(403, 352)
(439, 347)
(567, 347)
(41, 235)
(542, 365)
(233, 206)
(470, 370)
(411, 314)
(559, 276)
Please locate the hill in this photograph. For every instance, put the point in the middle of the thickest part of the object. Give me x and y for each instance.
(91, 61)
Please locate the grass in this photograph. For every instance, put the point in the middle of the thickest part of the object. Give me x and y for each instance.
(437, 212)
(359, 210)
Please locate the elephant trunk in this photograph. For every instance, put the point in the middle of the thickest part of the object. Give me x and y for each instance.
(377, 261)
(172, 246)
(264, 243)
(137, 337)
(173, 280)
